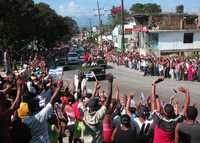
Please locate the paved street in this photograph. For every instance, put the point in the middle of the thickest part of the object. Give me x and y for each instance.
(133, 81)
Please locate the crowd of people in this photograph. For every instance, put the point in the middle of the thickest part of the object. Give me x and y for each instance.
(38, 108)
(174, 67)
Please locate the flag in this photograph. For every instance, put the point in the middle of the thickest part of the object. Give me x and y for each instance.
(56, 72)
(116, 10)
(89, 75)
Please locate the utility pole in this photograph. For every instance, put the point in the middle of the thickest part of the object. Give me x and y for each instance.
(122, 13)
(90, 23)
(100, 24)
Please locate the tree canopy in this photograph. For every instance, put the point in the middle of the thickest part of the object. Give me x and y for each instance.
(22, 21)
(145, 8)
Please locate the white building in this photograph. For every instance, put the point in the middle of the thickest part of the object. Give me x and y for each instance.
(129, 36)
(171, 41)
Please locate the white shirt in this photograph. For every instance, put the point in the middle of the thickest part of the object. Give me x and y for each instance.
(38, 125)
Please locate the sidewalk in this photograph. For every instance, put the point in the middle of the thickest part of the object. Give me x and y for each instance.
(126, 69)
(122, 67)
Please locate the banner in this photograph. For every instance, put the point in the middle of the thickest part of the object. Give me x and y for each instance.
(56, 72)
(89, 75)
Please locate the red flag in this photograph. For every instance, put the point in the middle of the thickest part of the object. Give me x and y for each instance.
(116, 10)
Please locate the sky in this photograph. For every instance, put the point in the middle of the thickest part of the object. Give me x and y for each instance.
(84, 11)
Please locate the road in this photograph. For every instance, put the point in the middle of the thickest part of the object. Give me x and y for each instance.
(133, 81)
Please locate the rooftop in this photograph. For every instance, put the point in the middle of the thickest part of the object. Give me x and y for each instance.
(165, 13)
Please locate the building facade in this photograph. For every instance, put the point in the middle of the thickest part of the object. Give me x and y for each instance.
(171, 41)
(130, 37)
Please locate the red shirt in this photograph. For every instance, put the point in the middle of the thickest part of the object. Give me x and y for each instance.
(76, 111)
(163, 136)
(86, 57)
(164, 130)
(107, 129)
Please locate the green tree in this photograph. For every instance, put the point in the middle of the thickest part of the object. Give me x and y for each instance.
(152, 8)
(22, 22)
(145, 8)
(15, 22)
(137, 8)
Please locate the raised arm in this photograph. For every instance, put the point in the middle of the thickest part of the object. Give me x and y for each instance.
(109, 77)
(176, 107)
(130, 96)
(6, 90)
(117, 92)
(171, 99)
(53, 97)
(153, 97)
(16, 103)
(187, 98)
(154, 100)
(97, 86)
(158, 105)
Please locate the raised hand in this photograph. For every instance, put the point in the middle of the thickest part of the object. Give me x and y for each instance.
(117, 86)
(183, 89)
(160, 79)
(59, 84)
(97, 85)
(131, 95)
(19, 82)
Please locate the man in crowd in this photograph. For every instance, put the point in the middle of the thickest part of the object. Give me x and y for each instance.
(37, 122)
(93, 116)
(189, 130)
(165, 121)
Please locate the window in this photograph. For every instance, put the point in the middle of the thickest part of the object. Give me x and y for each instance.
(125, 40)
(188, 38)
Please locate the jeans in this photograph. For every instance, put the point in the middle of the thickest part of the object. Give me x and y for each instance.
(178, 76)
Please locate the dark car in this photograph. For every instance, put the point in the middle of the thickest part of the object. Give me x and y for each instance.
(88, 71)
(61, 61)
(102, 63)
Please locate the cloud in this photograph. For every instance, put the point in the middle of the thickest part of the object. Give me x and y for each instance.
(72, 9)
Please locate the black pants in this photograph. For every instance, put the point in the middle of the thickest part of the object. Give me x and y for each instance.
(167, 75)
